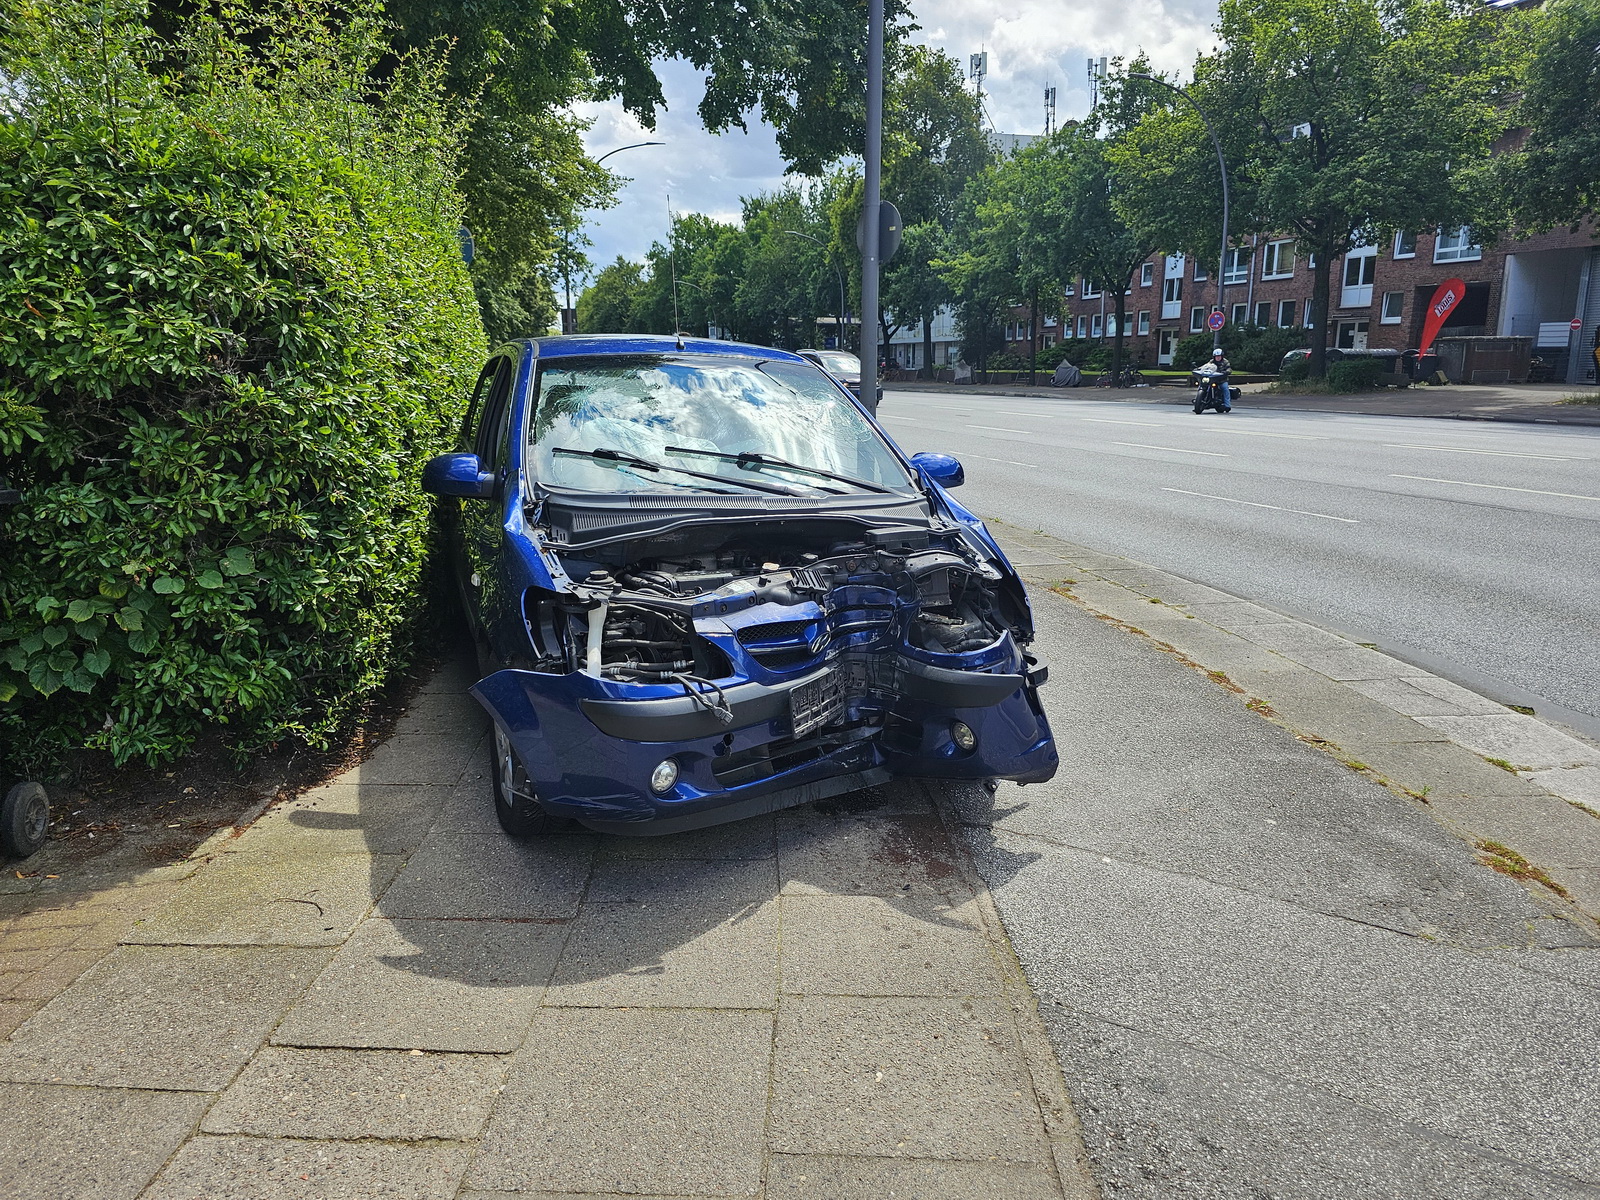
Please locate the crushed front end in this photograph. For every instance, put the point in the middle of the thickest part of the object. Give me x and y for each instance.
(727, 670)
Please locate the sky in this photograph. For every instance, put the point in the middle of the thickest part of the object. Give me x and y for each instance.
(1030, 43)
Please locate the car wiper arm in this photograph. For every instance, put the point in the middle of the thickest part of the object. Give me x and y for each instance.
(606, 454)
(750, 458)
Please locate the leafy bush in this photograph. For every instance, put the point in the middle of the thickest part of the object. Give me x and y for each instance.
(1356, 374)
(1252, 349)
(1297, 370)
(238, 323)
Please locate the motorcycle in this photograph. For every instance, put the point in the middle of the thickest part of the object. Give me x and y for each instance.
(1212, 389)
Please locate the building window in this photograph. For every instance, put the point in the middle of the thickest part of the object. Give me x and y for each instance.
(1360, 267)
(1144, 322)
(1171, 297)
(1277, 260)
(1147, 274)
(1238, 265)
(1240, 313)
(1200, 275)
(1308, 321)
(1069, 291)
(1049, 340)
(1096, 327)
(1285, 314)
(1197, 319)
(1089, 290)
(1011, 332)
(1083, 325)
(1393, 304)
(1405, 245)
(1049, 322)
(1456, 246)
(1263, 312)
(1352, 335)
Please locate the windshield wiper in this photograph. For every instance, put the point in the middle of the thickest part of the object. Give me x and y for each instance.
(644, 464)
(751, 458)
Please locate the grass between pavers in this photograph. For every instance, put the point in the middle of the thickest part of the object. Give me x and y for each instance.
(1507, 861)
(1581, 398)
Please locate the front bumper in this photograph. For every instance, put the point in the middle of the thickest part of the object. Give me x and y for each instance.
(589, 745)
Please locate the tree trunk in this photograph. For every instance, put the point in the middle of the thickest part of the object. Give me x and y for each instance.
(1033, 335)
(1317, 367)
(1116, 346)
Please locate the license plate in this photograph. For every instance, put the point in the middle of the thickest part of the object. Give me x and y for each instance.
(818, 702)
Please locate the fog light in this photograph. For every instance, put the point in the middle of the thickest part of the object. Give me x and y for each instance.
(664, 776)
(962, 735)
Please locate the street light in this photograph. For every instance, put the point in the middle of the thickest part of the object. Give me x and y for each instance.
(1222, 166)
(568, 317)
(836, 271)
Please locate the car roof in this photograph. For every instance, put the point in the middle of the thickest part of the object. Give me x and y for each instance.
(568, 345)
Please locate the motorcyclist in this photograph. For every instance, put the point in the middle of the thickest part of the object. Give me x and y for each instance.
(1220, 366)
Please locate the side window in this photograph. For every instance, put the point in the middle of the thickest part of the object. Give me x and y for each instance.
(469, 423)
(489, 444)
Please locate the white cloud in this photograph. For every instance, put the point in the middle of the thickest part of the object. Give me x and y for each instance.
(1031, 43)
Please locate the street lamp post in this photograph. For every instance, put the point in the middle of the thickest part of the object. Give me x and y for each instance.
(836, 271)
(1222, 167)
(872, 171)
(568, 317)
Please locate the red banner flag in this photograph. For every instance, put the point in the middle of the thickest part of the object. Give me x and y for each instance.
(1445, 298)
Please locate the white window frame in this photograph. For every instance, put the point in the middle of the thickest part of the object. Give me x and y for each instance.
(1090, 292)
(1083, 325)
(1197, 319)
(1069, 291)
(1239, 259)
(1455, 247)
(1398, 252)
(1305, 319)
(1171, 297)
(1097, 325)
(1273, 255)
(1200, 275)
(1049, 321)
(1240, 314)
(1399, 308)
(1262, 307)
(1147, 274)
(1144, 322)
(1357, 329)
(1289, 324)
(1358, 294)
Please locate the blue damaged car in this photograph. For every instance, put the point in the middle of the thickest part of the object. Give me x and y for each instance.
(704, 584)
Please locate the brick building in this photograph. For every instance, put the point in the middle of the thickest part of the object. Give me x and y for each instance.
(1378, 297)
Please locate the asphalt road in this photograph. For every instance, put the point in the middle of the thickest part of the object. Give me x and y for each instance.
(1472, 550)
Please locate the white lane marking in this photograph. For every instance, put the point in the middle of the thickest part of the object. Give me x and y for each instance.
(1208, 427)
(1003, 429)
(1496, 453)
(1498, 487)
(1114, 421)
(1254, 504)
(986, 458)
(1173, 449)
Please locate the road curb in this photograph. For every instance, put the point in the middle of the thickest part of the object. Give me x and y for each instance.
(1501, 779)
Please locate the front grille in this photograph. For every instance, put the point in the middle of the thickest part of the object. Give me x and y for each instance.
(774, 631)
(783, 657)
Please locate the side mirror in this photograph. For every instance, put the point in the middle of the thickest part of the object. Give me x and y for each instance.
(457, 475)
(941, 468)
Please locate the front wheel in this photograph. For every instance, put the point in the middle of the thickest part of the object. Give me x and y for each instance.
(519, 813)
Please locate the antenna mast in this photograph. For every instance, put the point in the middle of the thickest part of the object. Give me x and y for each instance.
(672, 258)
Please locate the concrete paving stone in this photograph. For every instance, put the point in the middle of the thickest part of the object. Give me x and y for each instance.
(418, 758)
(1521, 741)
(1464, 1050)
(265, 900)
(885, 946)
(1164, 1119)
(472, 876)
(248, 1168)
(1422, 696)
(453, 677)
(14, 1013)
(1024, 556)
(1288, 637)
(909, 855)
(81, 1143)
(681, 954)
(731, 883)
(160, 1017)
(350, 1094)
(344, 818)
(902, 1078)
(55, 977)
(469, 807)
(1581, 785)
(750, 838)
(898, 797)
(1311, 703)
(26, 962)
(428, 985)
(810, 1176)
(652, 1101)
(1443, 768)
(442, 712)
(1235, 615)
(1355, 662)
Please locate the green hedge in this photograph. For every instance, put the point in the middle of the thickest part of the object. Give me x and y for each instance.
(1251, 349)
(1356, 374)
(237, 324)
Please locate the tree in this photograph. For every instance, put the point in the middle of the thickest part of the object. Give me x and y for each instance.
(606, 305)
(1553, 179)
(913, 288)
(1340, 122)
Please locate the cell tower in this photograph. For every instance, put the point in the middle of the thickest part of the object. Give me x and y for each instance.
(1097, 72)
(1049, 110)
(977, 69)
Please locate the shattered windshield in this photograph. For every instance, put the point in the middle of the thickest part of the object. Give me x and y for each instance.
(839, 363)
(652, 407)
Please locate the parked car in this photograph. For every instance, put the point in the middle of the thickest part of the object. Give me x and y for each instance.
(705, 584)
(843, 366)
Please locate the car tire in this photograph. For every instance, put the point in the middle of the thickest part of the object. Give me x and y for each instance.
(519, 814)
(24, 820)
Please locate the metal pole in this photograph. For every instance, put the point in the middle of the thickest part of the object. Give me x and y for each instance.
(838, 274)
(1222, 167)
(568, 315)
(874, 168)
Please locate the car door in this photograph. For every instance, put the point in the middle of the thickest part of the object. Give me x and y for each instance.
(483, 521)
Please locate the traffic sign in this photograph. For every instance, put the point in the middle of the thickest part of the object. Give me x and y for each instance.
(1216, 321)
(1575, 323)
(888, 231)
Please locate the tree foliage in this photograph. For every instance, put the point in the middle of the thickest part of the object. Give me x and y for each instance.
(239, 321)
(1554, 179)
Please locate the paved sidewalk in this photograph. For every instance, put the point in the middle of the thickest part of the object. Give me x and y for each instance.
(1538, 403)
(371, 991)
